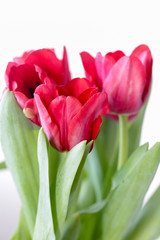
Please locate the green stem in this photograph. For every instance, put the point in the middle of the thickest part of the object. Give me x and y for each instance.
(123, 140)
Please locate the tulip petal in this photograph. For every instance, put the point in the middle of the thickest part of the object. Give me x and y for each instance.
(21, 99)
(62, 109)
(75, 87)
(87, 94)
(21, 60)
(125, 85)
(103, 66)
(47, 93)
(144, 55)
(48, 124)
(89, 66)
(65, 68)
(23, 78)
(116, 55)
(47, 60)
(96, 127)
(81, 125)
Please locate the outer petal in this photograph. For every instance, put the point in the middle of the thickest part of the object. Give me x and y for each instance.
(80, 127)
(103, 66)
(30, 111)
(87, 94)
(21, 99)
(62, 109)
(125, 85)
(47, 93)
(24, 79)
(144, 55)
(116, 55)
(89, 66)
(47, 60)
(75, 87)
(48, 124)
(7, 73)
(65, 68)
(21, 60)
(96, 127)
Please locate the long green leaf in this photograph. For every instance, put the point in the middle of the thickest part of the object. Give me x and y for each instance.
(129, 166)
(19, 143)
(126, 199)
(95, 173)
(71, 228)
(44, 222)
(147, 225)
(134, 131)
(22, 231)
(67, 178)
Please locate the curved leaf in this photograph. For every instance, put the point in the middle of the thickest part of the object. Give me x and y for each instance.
(44, 222)
(22, 231)
(126, 199)
(147, 225)
(19, 144)
(67, 178)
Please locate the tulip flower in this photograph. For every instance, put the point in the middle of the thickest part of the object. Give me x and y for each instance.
(34, 68)
(125, 79)
(72, 113)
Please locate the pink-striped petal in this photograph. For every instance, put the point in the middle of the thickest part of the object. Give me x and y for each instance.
(80, 127)
(125, 85)
(62, 109)
(50, 128)
(89, 66)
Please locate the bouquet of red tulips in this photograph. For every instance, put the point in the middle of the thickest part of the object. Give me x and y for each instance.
(72, 146)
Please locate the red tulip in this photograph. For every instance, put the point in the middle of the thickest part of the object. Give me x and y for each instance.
(126, 80)
(34, 68)
(72, 113)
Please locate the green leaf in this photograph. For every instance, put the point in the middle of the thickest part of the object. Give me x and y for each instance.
(126, 199)
(95, 173)
(22, 231)
(106, 148)
(67, 178)
(134, 131)
(71, 228)
(44, 223)
(147, 225)
(3, 165)
(19, 143)
(129, 166)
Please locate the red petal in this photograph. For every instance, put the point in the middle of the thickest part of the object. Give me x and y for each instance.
(96, 127)
(47, 60)
(116, 55)
(65, 68)
(62, 109)
(144, 55)
(103, 66)
(24, 79)
(80, 127)
(49, 126)
(86, 95)
(21, 99)
(75, 87)
(125, 85)
(89, 66)
(21, 60)
(47, 93)
(7, 73)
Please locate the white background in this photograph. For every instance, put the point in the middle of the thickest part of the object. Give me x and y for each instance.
(79, 25)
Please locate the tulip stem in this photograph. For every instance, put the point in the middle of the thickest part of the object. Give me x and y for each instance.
(123, 140)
